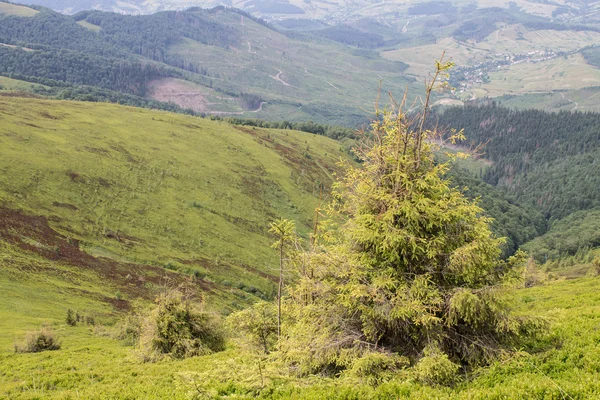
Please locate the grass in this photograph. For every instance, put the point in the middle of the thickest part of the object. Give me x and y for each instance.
(90, 26)
(585, 99)
(148, 188)
(563, 365)
(561, 73)
(529, 79)
(160, 189)
(14, 84)
(19, 11)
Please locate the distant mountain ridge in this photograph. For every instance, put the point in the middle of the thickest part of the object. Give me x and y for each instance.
(219, 61)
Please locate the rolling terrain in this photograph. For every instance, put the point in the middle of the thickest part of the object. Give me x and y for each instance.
(217, 61)
(145, 189)
(104, 206)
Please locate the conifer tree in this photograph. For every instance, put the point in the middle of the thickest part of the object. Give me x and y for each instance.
(412, 270)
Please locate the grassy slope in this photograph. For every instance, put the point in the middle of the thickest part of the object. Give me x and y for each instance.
(14, 84)
(13, 9)
(564, 365)
(154, 188)
(324, 79)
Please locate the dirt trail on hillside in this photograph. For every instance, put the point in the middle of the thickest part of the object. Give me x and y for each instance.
(278, 79)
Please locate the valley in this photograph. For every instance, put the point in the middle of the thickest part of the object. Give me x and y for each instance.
(284, 199)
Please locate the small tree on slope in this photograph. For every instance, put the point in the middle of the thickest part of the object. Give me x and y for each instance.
(413, 270)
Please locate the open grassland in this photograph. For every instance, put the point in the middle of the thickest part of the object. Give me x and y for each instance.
(20, 11)
(144, 188)
(510, 39)
(586, 99)
(93, 365)
(14, 84)
(90, 26)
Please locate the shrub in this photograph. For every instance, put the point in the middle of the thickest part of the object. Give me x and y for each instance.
(594, 268)
(176, 328)
(376, 368)
(435, 368)
(258, 325)
(71, 319)
(533, 275)
(42, 340)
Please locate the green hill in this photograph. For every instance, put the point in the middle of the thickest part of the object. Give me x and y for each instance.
(104, 206)
(545, 161)
(142, 188)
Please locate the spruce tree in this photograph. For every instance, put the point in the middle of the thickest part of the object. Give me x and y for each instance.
(412, 269)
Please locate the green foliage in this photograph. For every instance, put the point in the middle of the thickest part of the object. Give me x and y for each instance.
(257, 325)
(569, 236)
(533, 275)
(412, 266)
(594, 270)
(377, 368)
(435, 368)
(544, 160)
(71, 320)
(177, 328)
(516, 222)
(42, 340)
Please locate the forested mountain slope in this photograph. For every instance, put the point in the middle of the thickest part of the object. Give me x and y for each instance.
(547, 161)
(217, 61)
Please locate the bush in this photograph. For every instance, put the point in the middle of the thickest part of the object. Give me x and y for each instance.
(377, 368)
(176, 328)
(71, 320)
(257, 324)
(42, 340)
(435, 368)
(594, 268)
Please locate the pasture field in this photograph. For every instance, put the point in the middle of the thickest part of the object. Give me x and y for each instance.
(92, 364)
(90, 26)
(154, 189)
(14, 84)
(561, 73)
(20, 11)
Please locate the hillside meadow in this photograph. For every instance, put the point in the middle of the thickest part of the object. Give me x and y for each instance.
(93, 365)
(149, 188)
(103, 207)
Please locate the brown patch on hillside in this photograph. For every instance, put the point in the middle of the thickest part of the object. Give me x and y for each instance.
(177, 91)
(65, 205)
(297, 159)
(260, 273)
(34, 234)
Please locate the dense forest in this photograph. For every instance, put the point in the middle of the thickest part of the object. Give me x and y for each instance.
(54, 49)
(351, 36)
(517, 223)
(547, 162)
(82, 69)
